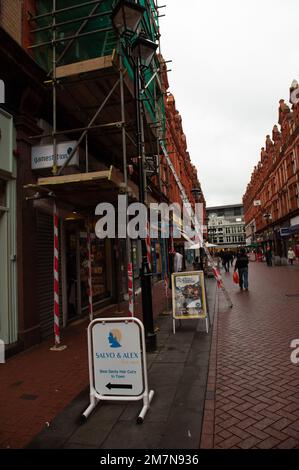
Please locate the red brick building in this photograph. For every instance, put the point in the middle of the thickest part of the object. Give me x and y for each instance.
(271, 200)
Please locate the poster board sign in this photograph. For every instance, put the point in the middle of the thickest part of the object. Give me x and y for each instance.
(117, 363)
(117, 359)
(189, 296)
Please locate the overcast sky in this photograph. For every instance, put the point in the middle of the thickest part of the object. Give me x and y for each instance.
(232, 61)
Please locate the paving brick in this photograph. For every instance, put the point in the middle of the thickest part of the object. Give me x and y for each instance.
(288, 444)
(249, 443)
(281, 424)
(268, 443)
(253, 367)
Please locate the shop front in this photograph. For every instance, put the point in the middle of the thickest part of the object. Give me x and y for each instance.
(76, 197)
(73, 267)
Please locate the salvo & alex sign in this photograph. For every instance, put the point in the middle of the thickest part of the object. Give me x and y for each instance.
(117, 363)
(42, 155)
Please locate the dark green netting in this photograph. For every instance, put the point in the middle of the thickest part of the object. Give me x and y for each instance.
(99, 44)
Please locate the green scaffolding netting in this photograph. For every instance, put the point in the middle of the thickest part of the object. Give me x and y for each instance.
(98, 44)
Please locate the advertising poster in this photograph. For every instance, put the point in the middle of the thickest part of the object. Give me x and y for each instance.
(188, 295)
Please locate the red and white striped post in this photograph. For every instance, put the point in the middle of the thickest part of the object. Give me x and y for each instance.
(56, 277)
(57, 346)
(130, 290)
(89, 290)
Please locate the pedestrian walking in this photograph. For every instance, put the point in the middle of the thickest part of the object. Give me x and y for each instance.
(226, 257)
(242, 266)
(268, 256)
(291, 255)
(178, 262)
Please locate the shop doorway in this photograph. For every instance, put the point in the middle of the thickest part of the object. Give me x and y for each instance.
(76, 272)
(72, 285)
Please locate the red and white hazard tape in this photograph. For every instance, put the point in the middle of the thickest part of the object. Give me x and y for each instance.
(148, 247)
(218, 278)
(56, 276)
(166, 285)
(171, 248)
(90, 296)
(130, 290)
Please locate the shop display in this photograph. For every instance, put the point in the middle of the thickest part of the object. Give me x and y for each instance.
(98, 269)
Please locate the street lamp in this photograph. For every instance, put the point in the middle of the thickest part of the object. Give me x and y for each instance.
(126, 18)
(196, 192)
(144, 50)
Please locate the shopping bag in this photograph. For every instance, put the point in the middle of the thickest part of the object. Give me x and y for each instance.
(236, 277)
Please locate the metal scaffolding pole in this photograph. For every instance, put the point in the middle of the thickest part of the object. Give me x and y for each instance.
(54, 167)
(125, 169)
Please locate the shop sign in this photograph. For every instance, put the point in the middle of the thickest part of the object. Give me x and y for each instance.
(42, 155)
(284, 232)
(2, 92)
(117, 358)
(117, 363)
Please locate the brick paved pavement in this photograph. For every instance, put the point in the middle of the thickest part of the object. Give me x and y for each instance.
(252, 398)
(38, 383)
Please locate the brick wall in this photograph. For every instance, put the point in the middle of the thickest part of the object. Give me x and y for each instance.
(11, 18)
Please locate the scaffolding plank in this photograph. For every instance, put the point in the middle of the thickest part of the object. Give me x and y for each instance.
(74, 178)
(85, 66)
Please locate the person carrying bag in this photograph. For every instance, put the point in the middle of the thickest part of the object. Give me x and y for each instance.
(242, 267)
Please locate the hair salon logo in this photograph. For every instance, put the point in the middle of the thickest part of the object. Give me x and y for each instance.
(114, 338)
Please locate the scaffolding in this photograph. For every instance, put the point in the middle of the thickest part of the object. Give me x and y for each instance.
(92, 78)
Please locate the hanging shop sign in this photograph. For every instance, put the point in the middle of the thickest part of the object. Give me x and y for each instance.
(189, 296)
(117, 362)
(42, 155)
(285, 232)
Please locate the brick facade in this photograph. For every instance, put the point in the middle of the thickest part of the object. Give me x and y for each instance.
(275, 183)
(11, 16)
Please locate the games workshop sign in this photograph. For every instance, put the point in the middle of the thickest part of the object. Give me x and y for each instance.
(42, 155)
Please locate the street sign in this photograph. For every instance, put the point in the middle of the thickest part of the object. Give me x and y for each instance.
(117, 359)
(117, 363)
